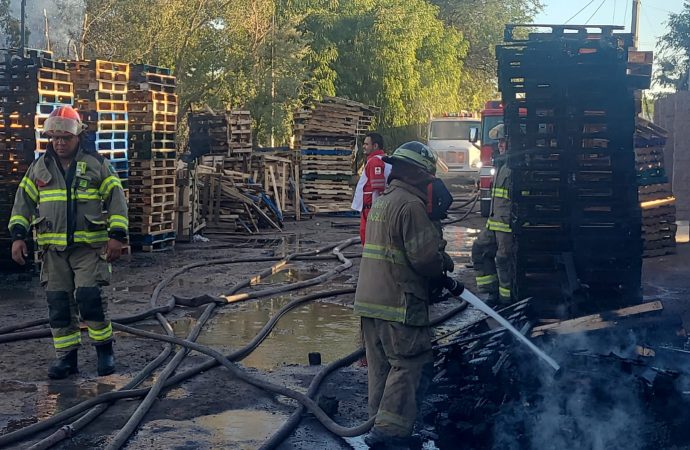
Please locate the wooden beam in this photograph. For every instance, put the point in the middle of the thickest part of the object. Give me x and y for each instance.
(275, 188)
(596, 321)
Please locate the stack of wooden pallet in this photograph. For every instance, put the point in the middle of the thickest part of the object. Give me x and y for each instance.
(222, 139)
(152, 128)
(31, 87)
(325, 136)
(231, 202)
(654, 190)
(100, 89)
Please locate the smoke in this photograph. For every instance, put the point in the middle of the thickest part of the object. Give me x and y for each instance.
(594, 405)
(64, 24)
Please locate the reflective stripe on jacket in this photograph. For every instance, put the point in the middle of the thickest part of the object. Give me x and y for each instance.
(75, 215)
(403, 250)
(499, 219)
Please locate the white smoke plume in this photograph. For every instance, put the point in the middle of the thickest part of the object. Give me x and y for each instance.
(64, 24)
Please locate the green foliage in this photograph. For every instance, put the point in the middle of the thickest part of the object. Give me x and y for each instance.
(675, 51)
(412, 58)
(9, 26)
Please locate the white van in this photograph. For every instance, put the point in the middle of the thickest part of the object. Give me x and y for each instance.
(449, 137)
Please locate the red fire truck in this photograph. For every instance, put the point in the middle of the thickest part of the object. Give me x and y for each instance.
(492, 115)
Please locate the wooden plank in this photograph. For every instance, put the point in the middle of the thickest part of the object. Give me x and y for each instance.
(298, 200)
(275, 188)
(283, 184)
(596, 321)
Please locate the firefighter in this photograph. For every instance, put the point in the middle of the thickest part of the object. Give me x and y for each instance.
(63, 196)
(373, 181)
(492, 251)
(402, 253)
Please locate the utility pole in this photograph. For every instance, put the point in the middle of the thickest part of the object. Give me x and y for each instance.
(635, 27)
(22, 29)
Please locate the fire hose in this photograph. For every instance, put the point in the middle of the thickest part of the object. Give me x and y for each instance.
(20, 434)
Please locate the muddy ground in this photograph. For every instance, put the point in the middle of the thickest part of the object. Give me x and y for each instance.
(213, 410)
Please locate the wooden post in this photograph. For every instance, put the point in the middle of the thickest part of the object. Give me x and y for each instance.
(283, 186)
(275, 188)
(298, 202)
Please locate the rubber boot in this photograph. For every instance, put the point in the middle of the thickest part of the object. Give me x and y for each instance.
(106, 358)
(64, 366)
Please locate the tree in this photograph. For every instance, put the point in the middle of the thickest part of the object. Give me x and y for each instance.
(481, 23)
(674, 63)
(395, 54)
(9, 26)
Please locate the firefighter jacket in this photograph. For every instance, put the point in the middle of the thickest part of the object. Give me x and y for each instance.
(499, 219)
(401, 254)
(373, 181)
(69, 209)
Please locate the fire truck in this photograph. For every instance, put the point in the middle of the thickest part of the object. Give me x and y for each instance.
(492, 115)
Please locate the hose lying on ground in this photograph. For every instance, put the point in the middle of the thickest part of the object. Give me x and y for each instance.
(25, 432)
(284, 431)
(9, 334)
(133, 422)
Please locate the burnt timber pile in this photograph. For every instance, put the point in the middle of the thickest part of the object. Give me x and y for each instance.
(31, 87)
(577, 224)
(570, 121)
(656, 197)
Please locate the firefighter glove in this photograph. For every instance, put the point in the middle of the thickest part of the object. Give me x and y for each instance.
(454, 286)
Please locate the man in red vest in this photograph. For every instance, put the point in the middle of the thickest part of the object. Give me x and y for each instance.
(373, 181)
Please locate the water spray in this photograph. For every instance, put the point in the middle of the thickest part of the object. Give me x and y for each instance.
(480, 305)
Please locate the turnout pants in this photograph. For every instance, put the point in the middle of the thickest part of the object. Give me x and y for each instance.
(72, 279)
(400, 370)
(493, 261)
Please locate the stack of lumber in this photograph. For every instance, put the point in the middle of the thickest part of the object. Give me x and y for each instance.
(231, 202)
(325, 137)
(654, 190)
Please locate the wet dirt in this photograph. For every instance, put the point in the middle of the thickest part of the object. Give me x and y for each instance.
(212, 410)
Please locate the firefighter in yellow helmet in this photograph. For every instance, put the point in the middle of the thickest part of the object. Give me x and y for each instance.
(63, 196)
(492, 251)
(403, 252)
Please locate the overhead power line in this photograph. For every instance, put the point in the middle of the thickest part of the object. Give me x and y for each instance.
(596, 11)
(577, 13)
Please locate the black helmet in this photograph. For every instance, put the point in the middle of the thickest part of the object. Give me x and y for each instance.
(415, 153)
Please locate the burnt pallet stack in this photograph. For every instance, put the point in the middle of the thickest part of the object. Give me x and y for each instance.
(656, 198)
(222, 140)
(570, 120)
(325, 138)
(32, 86)
(101, 98)
(152, 122)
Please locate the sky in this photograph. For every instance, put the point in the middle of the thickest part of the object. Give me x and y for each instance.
(654, 14)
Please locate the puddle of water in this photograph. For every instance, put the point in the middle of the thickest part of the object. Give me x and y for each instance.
(332, 330)
(460, 240)
(233, 429)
